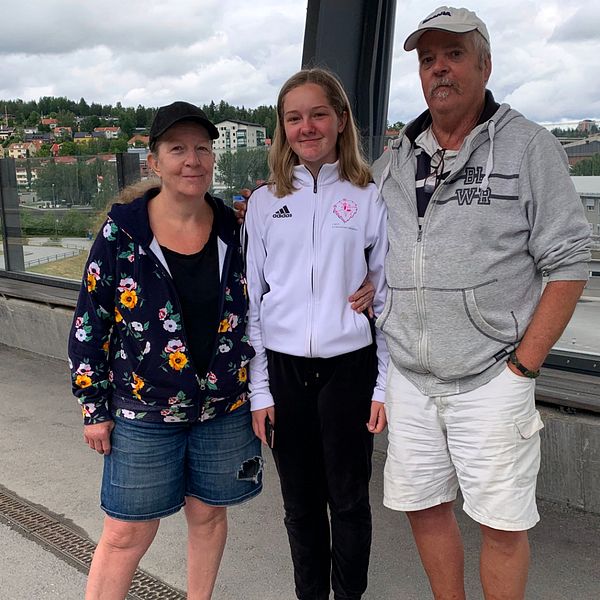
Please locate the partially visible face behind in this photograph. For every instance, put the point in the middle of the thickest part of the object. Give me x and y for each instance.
(184, 160)
(311, 125)
(452, 78)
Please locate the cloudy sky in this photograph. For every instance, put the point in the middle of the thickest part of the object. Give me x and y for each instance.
(546, 54)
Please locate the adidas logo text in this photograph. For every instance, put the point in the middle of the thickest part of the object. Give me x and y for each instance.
(282, 213)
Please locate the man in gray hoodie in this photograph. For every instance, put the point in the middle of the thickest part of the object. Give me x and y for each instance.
(480, 207)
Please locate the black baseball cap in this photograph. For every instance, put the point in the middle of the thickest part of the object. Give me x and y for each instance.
(167, 116)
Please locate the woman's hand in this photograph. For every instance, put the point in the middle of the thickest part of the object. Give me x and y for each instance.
(258, 422)
(362, 299)
(378, 420)
(97, 436)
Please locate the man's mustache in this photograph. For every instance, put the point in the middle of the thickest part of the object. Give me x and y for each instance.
(442, 83)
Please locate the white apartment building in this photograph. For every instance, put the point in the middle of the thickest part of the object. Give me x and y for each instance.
(238, 134)
(233, 136)
(22, 179)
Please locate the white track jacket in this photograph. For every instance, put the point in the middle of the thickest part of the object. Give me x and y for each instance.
(307, 252)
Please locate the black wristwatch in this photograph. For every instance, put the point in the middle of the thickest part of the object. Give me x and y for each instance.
(513, 360)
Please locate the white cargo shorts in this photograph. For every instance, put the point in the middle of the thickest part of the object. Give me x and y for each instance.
(485, 441)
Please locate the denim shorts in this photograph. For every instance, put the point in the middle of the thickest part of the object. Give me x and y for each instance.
(152, 467)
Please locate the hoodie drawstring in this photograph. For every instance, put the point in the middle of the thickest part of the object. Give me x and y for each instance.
(491, 127)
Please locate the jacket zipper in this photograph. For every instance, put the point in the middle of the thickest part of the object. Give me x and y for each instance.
(310, 341)
(419, 267)
(224, 274)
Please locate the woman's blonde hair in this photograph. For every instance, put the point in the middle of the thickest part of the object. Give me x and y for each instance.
(282, 159)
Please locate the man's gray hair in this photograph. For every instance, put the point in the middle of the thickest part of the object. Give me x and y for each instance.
(482, 47)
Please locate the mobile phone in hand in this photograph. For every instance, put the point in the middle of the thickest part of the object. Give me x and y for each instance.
(269, 432)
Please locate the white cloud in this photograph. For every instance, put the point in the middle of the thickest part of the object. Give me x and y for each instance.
(150, 52)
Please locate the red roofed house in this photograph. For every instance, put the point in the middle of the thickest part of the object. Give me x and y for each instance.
(111, 133)
(138, 141)
(21, 150)
(59, 130)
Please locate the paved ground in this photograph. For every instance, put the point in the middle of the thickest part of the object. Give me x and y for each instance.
(43, 460)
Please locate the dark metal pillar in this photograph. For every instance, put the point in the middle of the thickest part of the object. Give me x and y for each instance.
(354, 39)
(14, 258)
(128, 169)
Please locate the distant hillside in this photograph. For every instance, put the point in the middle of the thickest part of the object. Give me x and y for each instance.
(84, 116)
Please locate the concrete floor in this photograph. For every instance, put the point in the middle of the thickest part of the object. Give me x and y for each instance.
(43, 459)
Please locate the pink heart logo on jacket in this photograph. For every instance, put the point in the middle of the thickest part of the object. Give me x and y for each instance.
(345, 209)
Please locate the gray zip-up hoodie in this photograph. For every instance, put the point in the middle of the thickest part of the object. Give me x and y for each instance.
(463, 289)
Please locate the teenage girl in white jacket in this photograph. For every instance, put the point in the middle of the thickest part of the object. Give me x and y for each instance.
(315, 231)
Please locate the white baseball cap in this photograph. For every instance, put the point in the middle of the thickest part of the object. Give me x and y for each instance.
(447, 18)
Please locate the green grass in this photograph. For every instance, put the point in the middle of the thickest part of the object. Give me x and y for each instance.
(70, 268)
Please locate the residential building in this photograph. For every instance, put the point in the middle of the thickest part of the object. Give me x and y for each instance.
(65, 132)
(23, 179)
(588, 188)
(582, 149)
(138, 141)
(233, 136)
(6, 132)
(21, 149)
(65, 160)
(81, 137)
(587, 125)
(239, 134)
(52, 123)
(44, 138)
(110, 133)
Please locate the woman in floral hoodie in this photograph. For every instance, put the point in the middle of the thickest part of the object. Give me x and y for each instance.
(159, 353)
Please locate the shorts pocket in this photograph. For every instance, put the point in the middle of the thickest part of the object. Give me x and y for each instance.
(518, 379)
(529, 426)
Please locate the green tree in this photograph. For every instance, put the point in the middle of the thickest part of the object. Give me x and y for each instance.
(33, 119)
(69, 149)
(89, 123)
(237, 170)
(590, 166)
(66, 118)
(398, 125)
(44, 151)
(118, 145)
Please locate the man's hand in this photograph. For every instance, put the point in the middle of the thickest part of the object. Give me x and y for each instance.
(258, 422)
(362, 299)
(97, 436)
(549, 320)
(378, 420)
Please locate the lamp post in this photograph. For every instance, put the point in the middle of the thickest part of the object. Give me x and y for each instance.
(53, 197)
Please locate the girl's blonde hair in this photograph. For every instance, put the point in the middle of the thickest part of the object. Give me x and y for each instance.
(282, 159)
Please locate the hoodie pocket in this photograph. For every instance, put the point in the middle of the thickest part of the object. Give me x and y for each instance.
(402, 327)
(460, 340)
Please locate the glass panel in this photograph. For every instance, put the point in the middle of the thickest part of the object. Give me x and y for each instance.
(2, 262)
(582, 335)
(62, 202)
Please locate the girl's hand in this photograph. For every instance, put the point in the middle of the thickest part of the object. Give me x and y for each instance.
(258, 422)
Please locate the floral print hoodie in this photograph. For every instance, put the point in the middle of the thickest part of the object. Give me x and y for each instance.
(127, 346)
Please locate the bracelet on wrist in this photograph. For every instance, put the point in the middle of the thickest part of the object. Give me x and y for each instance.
(513, 360)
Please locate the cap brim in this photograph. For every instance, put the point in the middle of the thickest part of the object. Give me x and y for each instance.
(413, 39)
